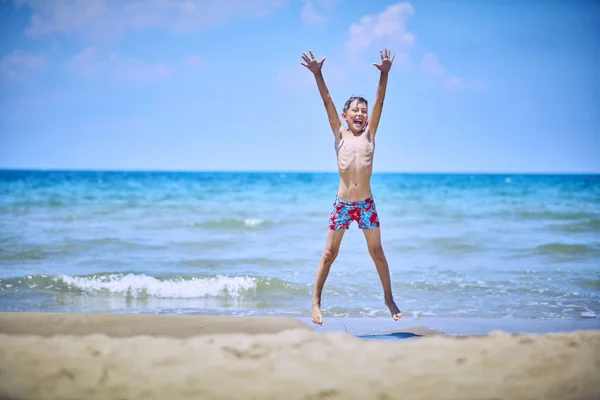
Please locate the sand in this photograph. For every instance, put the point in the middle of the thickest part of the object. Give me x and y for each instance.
(125, 325)
(282, 360)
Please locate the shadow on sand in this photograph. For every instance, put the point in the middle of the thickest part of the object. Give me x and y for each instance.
(390, 336)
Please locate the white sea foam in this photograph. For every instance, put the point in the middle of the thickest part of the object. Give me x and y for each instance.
(135, 285)
(252, 222)
(589, 314)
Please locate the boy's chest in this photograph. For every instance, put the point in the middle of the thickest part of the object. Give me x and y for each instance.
(350, 145)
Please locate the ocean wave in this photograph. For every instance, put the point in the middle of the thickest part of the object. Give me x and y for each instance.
(130, 284)
(458, 295)
(558, 252)
(569, 250)
(24, 255)
(142, 285)
(587, 283)
(210, 244)
(251, 261)
(39, 202)
(230, 223)
(555, 215)
(109, 241)
(587, 226)
(454, 245)
(21, 254)
(70, 246)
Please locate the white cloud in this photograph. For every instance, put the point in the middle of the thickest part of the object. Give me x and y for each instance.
(431, 65)
(389, 29)
(454, 82)
(327, 3)
(92, 62)
(310, 16)
(108, 18)
(193, 61)
(386, 29)
(16, 65)
(87, 62)
(138, 72)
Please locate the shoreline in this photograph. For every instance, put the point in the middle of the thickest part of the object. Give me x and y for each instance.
(181, 326)
(454, 326)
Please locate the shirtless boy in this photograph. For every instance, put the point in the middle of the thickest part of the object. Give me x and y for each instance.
(354, 146)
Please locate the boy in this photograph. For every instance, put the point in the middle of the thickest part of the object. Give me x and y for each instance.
(354, 201)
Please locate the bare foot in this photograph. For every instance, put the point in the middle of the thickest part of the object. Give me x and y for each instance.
(396, 313)
(317, 317)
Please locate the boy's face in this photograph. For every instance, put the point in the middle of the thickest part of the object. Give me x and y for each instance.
(356, 116)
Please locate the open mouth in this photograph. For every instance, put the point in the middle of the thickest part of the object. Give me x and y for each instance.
(358, 123)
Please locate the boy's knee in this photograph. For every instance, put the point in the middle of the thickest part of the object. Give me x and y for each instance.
(377, 253)
(329, 255)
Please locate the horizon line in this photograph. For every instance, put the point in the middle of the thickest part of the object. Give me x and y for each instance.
(298, 171)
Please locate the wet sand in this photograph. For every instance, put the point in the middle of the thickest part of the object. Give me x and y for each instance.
(125, 325)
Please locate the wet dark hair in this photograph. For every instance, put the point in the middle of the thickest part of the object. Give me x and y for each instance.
(351, 99)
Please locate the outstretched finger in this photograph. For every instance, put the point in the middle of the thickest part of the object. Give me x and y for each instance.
(321, 62)
(392, 60)
(381, 54)
(311, 54)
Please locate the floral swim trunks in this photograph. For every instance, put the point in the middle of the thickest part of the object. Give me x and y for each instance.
(344, 212)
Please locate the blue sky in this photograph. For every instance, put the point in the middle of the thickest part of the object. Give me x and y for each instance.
(476, 86)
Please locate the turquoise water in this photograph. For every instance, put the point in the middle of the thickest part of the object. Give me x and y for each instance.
(480, 246)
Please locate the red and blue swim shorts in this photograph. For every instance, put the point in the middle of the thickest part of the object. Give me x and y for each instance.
(344, 212)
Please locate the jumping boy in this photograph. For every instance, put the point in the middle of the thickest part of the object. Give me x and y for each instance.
(354, 147)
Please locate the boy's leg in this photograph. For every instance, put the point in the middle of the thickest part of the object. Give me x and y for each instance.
(332, 246)
(373, 237)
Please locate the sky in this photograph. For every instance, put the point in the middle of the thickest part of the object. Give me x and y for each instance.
(197, 85)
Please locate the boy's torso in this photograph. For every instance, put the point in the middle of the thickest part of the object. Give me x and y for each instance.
(355, 164)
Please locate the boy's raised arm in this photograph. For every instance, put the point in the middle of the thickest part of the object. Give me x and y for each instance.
(315, 67)
(384, 67)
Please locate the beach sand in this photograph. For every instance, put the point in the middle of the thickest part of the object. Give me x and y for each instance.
(125, 325)
(96, 356)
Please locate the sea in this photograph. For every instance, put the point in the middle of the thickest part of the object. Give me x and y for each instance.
(248, 243)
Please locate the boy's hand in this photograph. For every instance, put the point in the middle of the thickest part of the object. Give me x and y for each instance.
(313, 65)
(386, 62)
